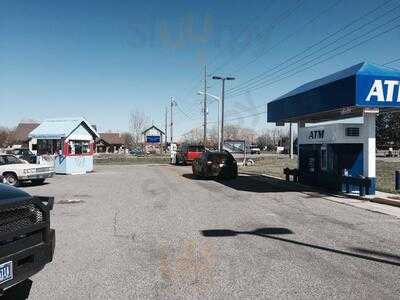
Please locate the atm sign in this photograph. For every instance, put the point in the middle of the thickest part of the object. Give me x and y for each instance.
(316, 135)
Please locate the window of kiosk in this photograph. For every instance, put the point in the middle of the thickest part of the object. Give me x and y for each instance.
(79, 147)
(324, 158)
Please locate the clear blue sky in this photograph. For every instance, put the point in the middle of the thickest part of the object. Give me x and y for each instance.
(102, 59)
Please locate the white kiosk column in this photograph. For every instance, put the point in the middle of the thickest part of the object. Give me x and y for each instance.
(300, 125)
(369, 145)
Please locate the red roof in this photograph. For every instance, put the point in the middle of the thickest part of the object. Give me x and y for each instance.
(112, 138)
(22, 131)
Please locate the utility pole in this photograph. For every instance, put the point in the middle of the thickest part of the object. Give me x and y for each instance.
(221, 144)
(166, 128)
(205, 107)
(172, 120)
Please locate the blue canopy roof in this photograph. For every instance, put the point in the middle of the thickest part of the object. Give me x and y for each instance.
(342, 94)
(60, 128)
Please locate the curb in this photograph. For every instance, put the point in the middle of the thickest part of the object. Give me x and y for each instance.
(379, 200)
(386, 201)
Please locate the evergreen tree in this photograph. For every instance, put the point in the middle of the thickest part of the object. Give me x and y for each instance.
(388, 130)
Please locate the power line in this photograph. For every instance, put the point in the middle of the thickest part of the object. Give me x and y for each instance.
(244, 111)
(185, 113)
(197, 82)
(268, 82)
(324, 60)
(279, 19)
(247, 116)
(391, 61)
(260, 77)
(287, 37)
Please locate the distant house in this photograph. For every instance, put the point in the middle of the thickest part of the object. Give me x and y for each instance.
(110, 142)
(70, 141)
(21, 135)
(153, 139)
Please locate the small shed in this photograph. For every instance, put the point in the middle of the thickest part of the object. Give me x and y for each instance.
(153, 138)
(70, 141)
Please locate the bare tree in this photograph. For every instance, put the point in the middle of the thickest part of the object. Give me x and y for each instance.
(7, 136)
(138, 121)
(127, 138)
(237, 132)
(194, 135)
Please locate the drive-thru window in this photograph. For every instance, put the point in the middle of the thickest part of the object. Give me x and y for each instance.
(332, 150)
(70, 141)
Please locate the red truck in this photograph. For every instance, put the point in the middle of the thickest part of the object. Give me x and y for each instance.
(188, 153)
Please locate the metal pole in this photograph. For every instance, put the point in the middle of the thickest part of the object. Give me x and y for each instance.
(219, 127)
(291, 141)
(205, 107)
(221, 145)
(172, 120)
(166, 128)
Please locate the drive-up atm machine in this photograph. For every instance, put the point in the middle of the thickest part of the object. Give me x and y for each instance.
(329, 147)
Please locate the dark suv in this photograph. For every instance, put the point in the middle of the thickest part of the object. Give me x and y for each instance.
(215, 164)
(26, 240)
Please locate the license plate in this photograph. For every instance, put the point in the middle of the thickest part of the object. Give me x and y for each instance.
(6, 272)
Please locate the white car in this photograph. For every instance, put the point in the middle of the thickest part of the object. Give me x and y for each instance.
(255, 150)
(15, 170)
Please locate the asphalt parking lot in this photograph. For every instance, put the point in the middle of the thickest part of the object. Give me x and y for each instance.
(156, 232)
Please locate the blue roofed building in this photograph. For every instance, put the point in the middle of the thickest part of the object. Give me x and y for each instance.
(340, 155)
(70, 141)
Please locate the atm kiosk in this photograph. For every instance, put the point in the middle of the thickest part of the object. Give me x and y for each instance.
(329, 147)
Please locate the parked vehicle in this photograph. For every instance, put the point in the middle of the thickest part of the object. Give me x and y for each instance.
(25, 154)
(15, 170)
(255, 150)
(173, 152)
(26, 240)
(137, 152)
(215, 164)
(188, 153)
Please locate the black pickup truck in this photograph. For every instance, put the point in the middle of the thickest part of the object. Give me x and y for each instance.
(26, 240)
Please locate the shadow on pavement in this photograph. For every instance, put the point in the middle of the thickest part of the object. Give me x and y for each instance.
(376, 253)
(271, 233)
(192, 177)
(29, 183)
(257, 184)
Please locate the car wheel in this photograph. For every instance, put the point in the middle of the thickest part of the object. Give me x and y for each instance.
(37, 181)
(11, 179)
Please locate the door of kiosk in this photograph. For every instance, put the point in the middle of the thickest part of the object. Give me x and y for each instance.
(325, 164)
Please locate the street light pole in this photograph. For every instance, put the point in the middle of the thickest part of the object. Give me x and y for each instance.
(205, 107)
(166, 128)
(221, 142)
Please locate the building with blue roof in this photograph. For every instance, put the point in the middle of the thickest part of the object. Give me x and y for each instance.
(70, 140)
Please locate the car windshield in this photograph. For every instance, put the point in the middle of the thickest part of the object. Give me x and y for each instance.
(11, 159)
